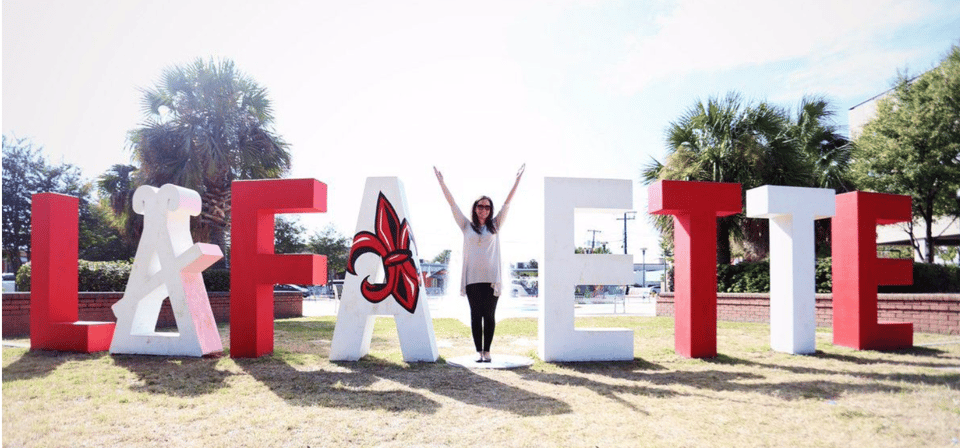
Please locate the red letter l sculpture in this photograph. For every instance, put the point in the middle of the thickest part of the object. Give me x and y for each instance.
(54, 303)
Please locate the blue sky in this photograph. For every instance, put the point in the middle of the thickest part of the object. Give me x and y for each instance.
(571, 88)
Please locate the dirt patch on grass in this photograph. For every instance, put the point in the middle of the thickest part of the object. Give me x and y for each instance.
(747, 396)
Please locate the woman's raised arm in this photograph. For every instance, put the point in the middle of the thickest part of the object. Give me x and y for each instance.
(502, 215)
(515, 184)
(443, 186)
(457, 214)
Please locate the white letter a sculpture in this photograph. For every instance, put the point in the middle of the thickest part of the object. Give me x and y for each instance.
(383, 263)
(168, 264)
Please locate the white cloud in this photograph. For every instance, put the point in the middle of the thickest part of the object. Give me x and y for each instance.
(705, 36)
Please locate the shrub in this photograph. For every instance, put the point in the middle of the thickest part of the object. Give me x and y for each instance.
(744, 277)
(23, 277)
(755, 277)
(104, 276)
(929, 278)
(99, 276)
(217, 279)
(112, 276)
(824, 275)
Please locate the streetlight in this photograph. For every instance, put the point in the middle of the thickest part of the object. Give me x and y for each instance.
(643, 258)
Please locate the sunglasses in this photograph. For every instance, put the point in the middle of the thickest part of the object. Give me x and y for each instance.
(484, 207)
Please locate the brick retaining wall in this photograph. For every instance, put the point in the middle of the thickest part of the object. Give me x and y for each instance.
(95, 306)
(929, 313)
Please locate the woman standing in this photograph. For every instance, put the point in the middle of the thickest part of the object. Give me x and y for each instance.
(480, 278)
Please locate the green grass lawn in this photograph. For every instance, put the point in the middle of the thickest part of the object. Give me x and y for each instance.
(747, 396)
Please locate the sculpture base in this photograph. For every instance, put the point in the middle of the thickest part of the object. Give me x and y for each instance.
(497, 362)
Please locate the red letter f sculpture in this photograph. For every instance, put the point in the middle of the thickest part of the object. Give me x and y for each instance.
(254, 268)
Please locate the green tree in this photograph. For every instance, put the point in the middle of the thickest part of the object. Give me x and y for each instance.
(206, 126)
(116, 187)
(334, 246)
(288, 236)
(100, 239)
(442, 257)
(601, 249)
(912, 145)
(25, 173)
(729, 140)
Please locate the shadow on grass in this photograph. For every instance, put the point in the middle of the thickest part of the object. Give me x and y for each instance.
(174, 376)
(743, 376)
(349, 390)
(465, 386)
(40, 363)
(644, 373)
(864, 358)
(823, 388)
(355, 388)
(352, 386)
(305, 337)
(620, 370)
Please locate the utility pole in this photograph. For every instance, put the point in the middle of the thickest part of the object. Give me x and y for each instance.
(594, 243)
(625, 219)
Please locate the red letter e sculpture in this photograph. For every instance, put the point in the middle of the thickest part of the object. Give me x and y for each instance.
(857, 271)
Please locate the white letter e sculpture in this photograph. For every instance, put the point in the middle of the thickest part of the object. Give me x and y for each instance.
(168, 264)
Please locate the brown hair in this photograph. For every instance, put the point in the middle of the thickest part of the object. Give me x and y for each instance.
(475, 221)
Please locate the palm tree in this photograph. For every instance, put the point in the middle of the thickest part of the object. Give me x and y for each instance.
(828, 155)
(828, 152)
(206, 125)
(729, 140)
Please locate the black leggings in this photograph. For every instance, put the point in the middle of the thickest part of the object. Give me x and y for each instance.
(483, 307)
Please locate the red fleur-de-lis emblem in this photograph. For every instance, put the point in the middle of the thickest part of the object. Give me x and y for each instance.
(391, 242)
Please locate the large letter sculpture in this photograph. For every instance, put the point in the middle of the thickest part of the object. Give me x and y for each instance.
(168, 264)
(792, 211)
(54, 303)
(563, 270)
(857, 271)
(695, 207)
(383, 278)
(255, 268)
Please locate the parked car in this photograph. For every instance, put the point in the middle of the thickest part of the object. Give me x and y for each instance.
(9, 282)
(291, 288)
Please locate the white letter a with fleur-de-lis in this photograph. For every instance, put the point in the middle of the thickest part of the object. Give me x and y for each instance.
(168, 264)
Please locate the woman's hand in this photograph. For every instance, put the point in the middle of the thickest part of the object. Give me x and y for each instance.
(519, 172)
(439, 175)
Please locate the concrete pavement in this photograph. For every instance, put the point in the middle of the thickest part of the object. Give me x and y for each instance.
(456, 307)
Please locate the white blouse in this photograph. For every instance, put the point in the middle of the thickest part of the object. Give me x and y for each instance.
(481, 252)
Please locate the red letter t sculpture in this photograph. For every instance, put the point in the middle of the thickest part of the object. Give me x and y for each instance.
(695, 207)
(254, 268)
